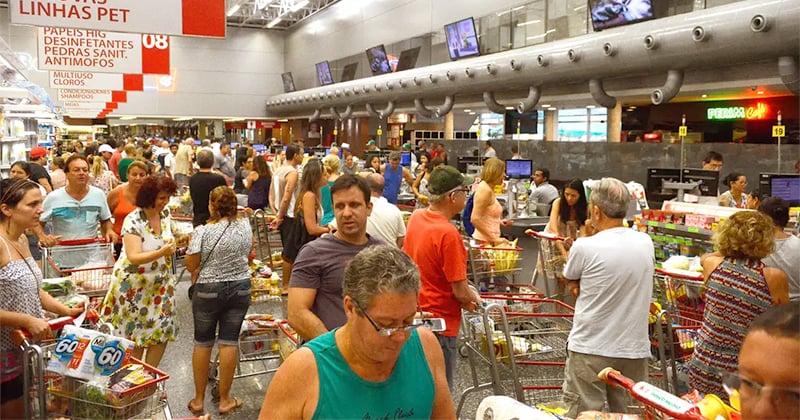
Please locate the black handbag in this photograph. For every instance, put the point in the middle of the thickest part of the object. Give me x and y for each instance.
(203, 262)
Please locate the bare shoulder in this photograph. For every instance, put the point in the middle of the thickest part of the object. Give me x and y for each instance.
(294, 390)
(774, 274)
(430, 344)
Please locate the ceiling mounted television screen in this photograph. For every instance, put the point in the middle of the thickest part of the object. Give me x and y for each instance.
(378, 61)
(324, 73)
(611, 13)
(462, 40)
(349, 72)
(288, 82)
(408, 59)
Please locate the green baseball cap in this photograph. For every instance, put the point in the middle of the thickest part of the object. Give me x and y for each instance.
(371, 143)
(446, 178)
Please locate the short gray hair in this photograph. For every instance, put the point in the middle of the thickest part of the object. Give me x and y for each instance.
(379, 269)
(205, 159)
(612, 196)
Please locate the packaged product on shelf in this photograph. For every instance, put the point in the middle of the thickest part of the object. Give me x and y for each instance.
(65, 349)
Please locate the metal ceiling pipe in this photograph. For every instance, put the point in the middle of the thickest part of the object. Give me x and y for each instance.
(421, 109)
(599, 94)
(315, 115)
(344, 115)
(790, 74)
(530, 101)
(492, 104)
(670, 88)
(382, 114)
(437, 112)
(775, 20)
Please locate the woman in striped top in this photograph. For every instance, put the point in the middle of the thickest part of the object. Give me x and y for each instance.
(738, 288)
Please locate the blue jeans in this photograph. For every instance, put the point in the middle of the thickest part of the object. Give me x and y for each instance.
(221, 303)
(449, 349)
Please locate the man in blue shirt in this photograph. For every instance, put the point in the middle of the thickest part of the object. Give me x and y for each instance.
(393, 175)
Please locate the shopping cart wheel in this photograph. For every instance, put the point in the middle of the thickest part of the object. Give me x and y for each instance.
(462, 350)
(214, 392)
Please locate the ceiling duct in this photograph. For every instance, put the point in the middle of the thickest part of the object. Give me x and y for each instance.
(790, 75)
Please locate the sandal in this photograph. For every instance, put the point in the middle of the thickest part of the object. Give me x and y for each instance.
(237, 403)
(194, 411)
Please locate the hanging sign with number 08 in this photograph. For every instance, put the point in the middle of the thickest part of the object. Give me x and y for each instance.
(102, 52)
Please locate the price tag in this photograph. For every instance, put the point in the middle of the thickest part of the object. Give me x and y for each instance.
(670, 226)
(682, 131)
(778, 131)
(692, 229)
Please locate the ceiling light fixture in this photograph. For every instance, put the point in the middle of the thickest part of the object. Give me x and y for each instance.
(127, 118)
(182, 119)
(545, 105)
(467, 110)
(274, 22)
(760, 92)
(704, 96)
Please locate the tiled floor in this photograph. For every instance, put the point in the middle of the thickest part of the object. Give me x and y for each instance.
(180, 386)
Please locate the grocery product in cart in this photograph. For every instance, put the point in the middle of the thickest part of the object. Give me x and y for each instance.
(88, 263)
(661, 404)
(493, 265)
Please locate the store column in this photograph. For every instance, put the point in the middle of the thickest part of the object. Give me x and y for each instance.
(614, 123)
(550, 124)
(219, 129)
(448, 126)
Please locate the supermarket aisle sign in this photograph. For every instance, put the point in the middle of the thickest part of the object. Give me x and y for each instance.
(205, 18)
(92, 95)
(101, 51)
(88, 80)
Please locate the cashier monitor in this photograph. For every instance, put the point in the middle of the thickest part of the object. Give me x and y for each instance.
(519, 169)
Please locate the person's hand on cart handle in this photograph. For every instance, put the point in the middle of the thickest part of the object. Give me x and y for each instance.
(38, 327)
(48, 241)
(76, 310)
(276, 223)
(111, 236)
(574, 287)
(506, 222)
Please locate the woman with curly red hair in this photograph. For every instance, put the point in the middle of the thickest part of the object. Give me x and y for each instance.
(140, 301)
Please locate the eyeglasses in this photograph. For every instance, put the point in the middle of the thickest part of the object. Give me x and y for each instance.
(786, 398)
(386, 332)
(459, 189)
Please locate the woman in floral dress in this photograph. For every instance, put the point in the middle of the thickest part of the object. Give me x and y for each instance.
(140, 302)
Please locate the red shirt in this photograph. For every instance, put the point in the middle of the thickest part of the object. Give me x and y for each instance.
(436, 247)
(113, 163)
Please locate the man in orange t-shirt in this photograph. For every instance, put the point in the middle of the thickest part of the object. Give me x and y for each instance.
(436, 247)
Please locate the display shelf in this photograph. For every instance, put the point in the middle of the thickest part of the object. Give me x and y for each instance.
(679, 228)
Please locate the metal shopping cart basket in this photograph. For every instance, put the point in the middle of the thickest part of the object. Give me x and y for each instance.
(673, 330)
(50, 394)
(552, 258)
(267, 242)
(264, 343)
(88, 262)
(493, 265)
(520, 343)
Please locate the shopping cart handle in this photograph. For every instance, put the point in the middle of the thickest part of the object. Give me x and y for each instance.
(544, 235)
(681, 274)
(19, 336)
(85, 241)
(652, 396)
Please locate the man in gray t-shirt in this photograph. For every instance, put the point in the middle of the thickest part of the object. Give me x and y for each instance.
(315, 289)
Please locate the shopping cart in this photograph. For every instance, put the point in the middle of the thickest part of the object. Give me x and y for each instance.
(264, 343)
(673, 332)
(494, 266)
(522, 342)
(550, 267)
(50, 394)
(87, 262)
(660, 404)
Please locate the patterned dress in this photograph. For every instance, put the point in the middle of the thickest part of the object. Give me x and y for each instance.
(140, 303)
(736, 293)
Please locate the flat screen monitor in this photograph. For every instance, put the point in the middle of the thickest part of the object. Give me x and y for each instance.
(527, 123)
(786, 187)
(378, 61)
(324, 74)
(609, 14)
(349, 72)
(519, 169)
(655, 179)
(274, 149)
(260, 148)
(462, 39)
(198, 142)
(464, 161)
(405, 159)
(408, 59)
(288, 82)
(709, 180)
